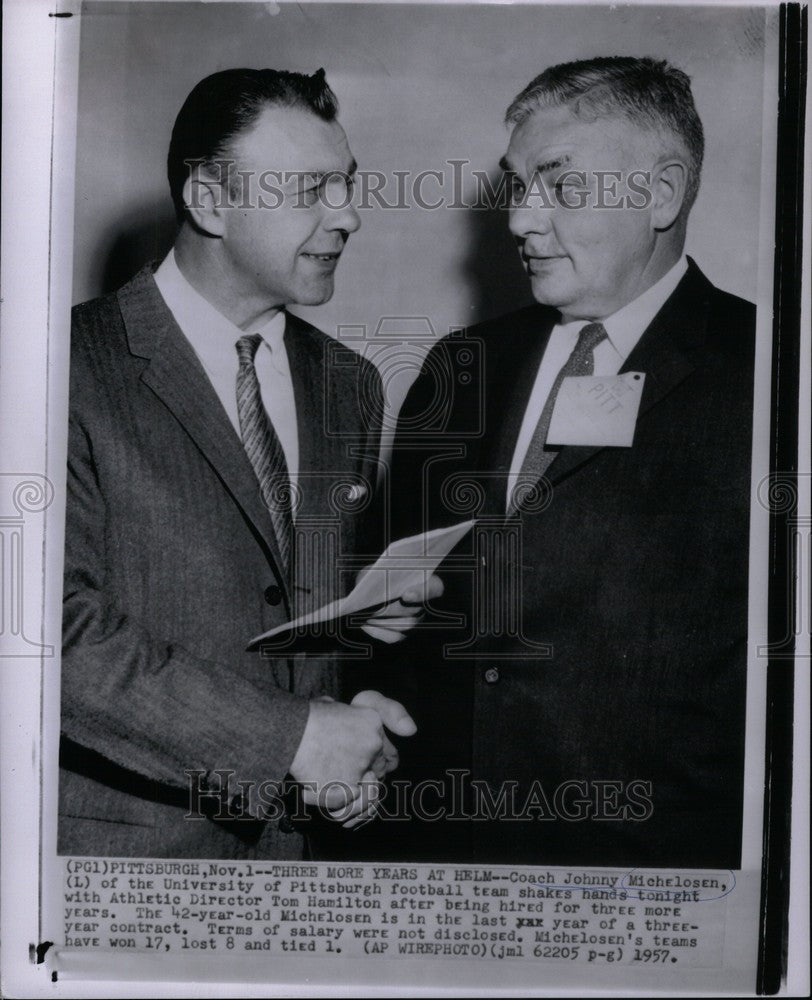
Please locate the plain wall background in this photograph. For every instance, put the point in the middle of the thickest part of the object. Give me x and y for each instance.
(418, 85)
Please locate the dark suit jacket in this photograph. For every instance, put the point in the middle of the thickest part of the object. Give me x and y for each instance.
(171, 566)
(633, 570)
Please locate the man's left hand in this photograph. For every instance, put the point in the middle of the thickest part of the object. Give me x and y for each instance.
(391, 622)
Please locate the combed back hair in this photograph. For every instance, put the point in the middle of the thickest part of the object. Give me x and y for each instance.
(228, 103)
(650, 93)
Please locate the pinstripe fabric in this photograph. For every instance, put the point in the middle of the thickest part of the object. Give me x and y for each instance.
(263, 447)
(170, 554)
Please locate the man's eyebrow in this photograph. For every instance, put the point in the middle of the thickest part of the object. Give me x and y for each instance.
(554, 164)
(541, 168)
(317, 176)
(321, 174)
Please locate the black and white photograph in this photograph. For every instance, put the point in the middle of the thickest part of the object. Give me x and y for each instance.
(415, 522)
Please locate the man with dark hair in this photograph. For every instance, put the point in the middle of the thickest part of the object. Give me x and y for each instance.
(225, 104)
(593, 712)
(220, 451)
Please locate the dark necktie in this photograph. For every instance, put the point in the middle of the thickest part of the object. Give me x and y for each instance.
(263, 447)
(539, 456)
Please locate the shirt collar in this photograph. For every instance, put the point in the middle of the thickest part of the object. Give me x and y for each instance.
(210, 333)
(626, 326)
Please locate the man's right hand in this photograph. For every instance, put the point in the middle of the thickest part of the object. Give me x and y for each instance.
(344, 752)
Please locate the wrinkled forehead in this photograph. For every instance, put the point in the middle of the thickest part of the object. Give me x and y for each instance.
(554, 137)
(293, 139)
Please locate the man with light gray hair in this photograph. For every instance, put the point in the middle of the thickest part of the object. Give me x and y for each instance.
(600, 704)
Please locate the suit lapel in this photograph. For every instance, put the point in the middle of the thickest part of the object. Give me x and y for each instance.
(662, 353)
(176, 376)
(320, 453)
(511, 366)
(321, 417)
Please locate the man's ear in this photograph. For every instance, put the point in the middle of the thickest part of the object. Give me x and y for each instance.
(668, 185)
(205, 200)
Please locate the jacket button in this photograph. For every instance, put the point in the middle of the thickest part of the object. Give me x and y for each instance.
(273, 595)
(286, 825)
(491, 675)
(238, 807)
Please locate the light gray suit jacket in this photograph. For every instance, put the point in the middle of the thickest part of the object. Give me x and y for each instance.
(171, 566)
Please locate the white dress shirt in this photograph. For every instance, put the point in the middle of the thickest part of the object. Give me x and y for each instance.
(623, 328)
(214, 339)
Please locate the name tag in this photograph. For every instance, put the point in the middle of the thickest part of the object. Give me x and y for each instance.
(597, 410)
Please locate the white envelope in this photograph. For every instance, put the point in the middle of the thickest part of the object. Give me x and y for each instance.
(406, 563)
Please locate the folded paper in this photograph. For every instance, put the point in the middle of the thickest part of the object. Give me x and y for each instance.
(406, 564)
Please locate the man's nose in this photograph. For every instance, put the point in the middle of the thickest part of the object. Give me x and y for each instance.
(344, 218)
(532, 216)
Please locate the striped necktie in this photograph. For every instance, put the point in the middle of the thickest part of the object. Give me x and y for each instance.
(263, 447)
(539, 456)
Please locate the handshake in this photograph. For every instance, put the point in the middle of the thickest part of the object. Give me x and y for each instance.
(345, 753)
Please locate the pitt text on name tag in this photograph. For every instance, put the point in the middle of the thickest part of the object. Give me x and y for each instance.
(597, 410)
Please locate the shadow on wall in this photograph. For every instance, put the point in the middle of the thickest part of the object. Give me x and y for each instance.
(491, 267)
(145, 233)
